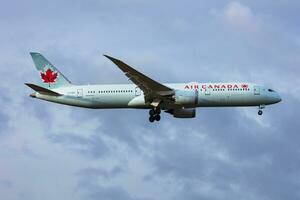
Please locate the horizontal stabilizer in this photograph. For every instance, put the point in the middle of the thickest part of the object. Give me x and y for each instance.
(42, 90)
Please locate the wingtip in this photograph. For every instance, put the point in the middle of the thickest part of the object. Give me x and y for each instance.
(111, 58)
(107, 56)
(32, 52)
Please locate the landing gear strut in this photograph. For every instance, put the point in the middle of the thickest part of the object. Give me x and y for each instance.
(154, 115)
(260, 112)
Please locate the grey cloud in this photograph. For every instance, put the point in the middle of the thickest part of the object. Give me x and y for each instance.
(110, 193)
(88, 188)
(93, 146)
(94, 172)
(255, 161)
(6, 184)
(3, 123)
(222, 154)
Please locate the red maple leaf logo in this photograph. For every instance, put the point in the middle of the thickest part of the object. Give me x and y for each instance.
(49, 76)
(244, 86)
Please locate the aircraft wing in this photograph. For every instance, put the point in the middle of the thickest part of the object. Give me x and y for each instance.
(153, 90)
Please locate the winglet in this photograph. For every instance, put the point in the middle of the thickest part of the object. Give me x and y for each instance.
(41, 90)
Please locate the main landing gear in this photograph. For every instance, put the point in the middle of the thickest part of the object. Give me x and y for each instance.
(260, 108)
(154, 115)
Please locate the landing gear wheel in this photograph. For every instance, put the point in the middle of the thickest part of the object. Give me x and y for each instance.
(260, 112)
(154, 114)
(157, 117)
(151, 119)
(154, 111)
(151, 112)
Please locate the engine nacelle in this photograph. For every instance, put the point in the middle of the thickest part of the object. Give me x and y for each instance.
(183, 97)
(183, 113)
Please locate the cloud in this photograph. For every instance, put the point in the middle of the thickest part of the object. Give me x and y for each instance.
(96, 172)
(109, 193)
(89, 188)
(3, 125)
(6, 184)
(241, 17)
(51, 151)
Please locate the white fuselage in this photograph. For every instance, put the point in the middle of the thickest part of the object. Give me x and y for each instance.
(130, 96)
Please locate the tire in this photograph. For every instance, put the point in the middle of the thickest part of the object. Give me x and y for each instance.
(157, 117)
(151, 119)
(151, 112)
(260, 112)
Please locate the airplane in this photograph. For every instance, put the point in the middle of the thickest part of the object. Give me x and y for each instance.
(177, 99)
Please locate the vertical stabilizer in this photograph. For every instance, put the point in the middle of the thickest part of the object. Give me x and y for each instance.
(49, 75)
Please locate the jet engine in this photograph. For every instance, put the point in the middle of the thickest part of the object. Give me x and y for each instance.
(182, 97)
(183, 113)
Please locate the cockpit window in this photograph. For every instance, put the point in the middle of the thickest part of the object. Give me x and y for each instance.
(270, 90)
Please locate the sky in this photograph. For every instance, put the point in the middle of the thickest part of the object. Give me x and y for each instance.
(50, 151)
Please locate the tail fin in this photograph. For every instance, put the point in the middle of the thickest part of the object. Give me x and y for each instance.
(50, 76)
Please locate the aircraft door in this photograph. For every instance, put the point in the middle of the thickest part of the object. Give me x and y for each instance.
(79, 93)
(196, 97)
(137, 91)
(256, 90)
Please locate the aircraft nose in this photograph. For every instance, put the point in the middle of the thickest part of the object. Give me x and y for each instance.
(274, 98)
(277, 98)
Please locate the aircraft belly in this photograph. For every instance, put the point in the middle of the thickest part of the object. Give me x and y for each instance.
(95, 103)
(138, 102)
(113, 102)
(229, 100)
(110, 102)
(132, 101)
(65, 100)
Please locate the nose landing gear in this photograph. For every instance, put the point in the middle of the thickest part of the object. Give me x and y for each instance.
(154, 115)
(260, 109)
